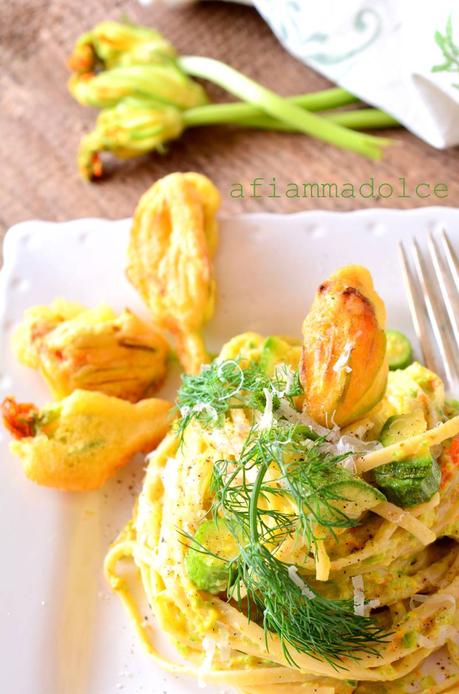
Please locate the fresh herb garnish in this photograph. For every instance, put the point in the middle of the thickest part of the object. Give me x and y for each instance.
(305, 475)
(301, 617)
(221, 386)
(283, 461)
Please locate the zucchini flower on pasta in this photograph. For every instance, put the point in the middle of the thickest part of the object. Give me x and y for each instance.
(110, 44)
(164, 82)
(129, 129)
(92, 349)
(344, 363)
(173, 239)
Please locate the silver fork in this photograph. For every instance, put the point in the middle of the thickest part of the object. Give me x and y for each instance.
(433, 296)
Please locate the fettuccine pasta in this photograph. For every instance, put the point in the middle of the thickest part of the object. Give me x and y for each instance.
(270, 552)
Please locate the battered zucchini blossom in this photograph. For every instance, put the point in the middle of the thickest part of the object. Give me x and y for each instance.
(173, 239)
(76, 444)
(92, 349)
(344, 365)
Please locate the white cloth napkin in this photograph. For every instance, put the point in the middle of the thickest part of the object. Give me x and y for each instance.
(383, 51)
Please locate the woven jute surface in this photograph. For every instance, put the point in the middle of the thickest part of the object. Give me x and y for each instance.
(40, 124)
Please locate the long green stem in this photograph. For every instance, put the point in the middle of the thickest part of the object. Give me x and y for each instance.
(245, 88)
(357, 119)
(212, 114)
(364, 118)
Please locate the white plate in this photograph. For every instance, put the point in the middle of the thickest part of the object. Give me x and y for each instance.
(61, 630)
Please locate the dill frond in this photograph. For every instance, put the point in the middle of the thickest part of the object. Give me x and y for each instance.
(220, 386)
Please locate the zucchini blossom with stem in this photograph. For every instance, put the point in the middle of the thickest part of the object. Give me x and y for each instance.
(161, 81)
(128, 73)
(129, 129)
(170, 259)
(137, 126)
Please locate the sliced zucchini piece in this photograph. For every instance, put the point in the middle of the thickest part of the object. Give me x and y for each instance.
(343, 492)
(415, 479)
(399, 350)
(355, 497)
(208, 571)
(402, 427)
(409, 482)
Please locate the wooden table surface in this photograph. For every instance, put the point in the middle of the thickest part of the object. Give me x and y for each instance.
(40, 124)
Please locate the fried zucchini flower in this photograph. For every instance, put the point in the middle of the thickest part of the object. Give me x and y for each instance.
(92, 349)
(78, 443)
(173, 239)
(111, 44)
(165, 83)
(129, 129)
(344, 366)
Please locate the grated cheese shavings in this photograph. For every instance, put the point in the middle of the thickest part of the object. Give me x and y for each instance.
(284, 371)
(298, 581)
(359, 596)
(341, 363)
(292, 415)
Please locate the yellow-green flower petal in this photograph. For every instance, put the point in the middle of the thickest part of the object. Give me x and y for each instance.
(111, 44)
(165, 83)
(131, 128)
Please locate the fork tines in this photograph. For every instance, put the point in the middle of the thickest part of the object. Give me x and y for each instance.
(433, 295)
